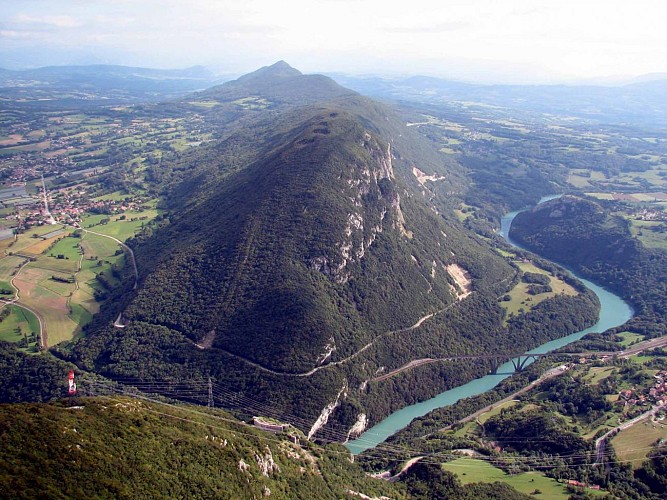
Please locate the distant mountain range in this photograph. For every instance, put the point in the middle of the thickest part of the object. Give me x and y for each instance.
(640, 102)
(100, 84)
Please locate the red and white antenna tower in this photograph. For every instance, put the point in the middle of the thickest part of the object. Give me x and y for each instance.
(72, 385)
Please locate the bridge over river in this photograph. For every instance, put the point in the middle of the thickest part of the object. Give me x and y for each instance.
(520, 360)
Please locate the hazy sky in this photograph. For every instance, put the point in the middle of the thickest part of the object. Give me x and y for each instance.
(501, 39)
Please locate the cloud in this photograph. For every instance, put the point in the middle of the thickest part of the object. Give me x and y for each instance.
(445, 27)
(18, 34)
(60, 21)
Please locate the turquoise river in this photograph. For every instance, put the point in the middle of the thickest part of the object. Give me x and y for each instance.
(613, 312)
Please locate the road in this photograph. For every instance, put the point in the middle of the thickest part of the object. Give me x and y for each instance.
(308, 373)
(125, 247)
(642, 346)
(635, 349)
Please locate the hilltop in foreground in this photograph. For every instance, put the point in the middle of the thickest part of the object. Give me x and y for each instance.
(118, 447)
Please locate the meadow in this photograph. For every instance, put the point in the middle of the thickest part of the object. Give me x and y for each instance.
(471, 470)
(522, 300)
(633, 444)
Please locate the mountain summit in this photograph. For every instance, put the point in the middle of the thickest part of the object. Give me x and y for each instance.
(279, 83)
(277, 70)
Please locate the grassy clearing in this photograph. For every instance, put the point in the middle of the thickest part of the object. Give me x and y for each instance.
(18, 324)
(8, 265)
(633, 444)
(653, 177)
(252, 102)
(115, 196)
(90, 220)
(99, 246)
(41, 245)
(204, 104)
(505, 254)
(470, 470)
(125, 229)
(80, 315)
(601, 196)
(521, 300)
(630, 338)
(649, 233)
(495, 411)
(67, 247)
(68, 266)
(582, 178)
(598, 373)
(49, 298)
(468, 429)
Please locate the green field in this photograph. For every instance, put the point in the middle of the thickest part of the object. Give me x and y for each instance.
(521, 299)
(598, 374)
(55, 264)
(67, 247)
(633, 444)
(125, 229)
(18, 323)
(471, 470)
(80, 315)
(630, 338)
(8, 265)
(649, 233)
(581, 178)
(116, 196)
(98, 246)
(495, 411)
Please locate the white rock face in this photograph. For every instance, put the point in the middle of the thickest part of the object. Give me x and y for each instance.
(328, 351)
(462, 279)
(326, 413)
(359, 426)
(266, 463)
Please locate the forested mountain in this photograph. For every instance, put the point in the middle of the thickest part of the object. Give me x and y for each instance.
(308, 250)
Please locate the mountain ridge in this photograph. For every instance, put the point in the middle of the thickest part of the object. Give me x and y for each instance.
(302, 254)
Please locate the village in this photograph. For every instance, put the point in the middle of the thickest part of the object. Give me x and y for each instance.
(638, 400)
(64, 206)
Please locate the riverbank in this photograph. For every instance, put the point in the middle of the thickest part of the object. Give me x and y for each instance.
(613, 312)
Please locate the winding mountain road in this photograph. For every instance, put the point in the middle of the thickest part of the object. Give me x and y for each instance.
(419, 322)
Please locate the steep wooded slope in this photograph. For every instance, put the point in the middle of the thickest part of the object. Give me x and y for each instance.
(305, 254)
(126, 448)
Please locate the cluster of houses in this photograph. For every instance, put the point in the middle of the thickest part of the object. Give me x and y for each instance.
(67, 207)
(579, 484)
(29, 167)
(650, 215)
(656, 395)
